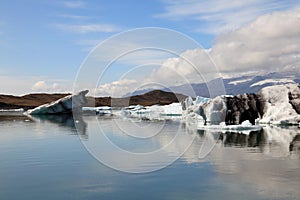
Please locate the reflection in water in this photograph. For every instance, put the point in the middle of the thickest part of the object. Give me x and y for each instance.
(254, 165)
(9, 118)
(273, 141)
(295, 146)
(76, 124)
(267, 161)
(262, 161)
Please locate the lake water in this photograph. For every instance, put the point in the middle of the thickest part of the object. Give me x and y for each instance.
(48, 158)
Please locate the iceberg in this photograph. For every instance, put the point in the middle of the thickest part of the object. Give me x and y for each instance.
(278, 104)
(12, 112)
(66, 105)
(101, 110)
(155, 112)
(281, 104)
(210, 111)
(192, 111)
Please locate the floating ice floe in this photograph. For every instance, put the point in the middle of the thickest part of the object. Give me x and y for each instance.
(155, 112)
(243, 127)
(101, 110)
(12, 112)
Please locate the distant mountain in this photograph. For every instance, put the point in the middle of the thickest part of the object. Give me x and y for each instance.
(149, 98)
(233, 86)
(28, 101)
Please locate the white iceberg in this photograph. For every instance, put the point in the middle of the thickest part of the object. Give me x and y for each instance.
(64, 105)
(101, 110)
(278, 108)
(279, 104)
(155, 112)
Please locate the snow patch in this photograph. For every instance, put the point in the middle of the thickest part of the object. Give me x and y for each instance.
(239, 81)
(275, 81)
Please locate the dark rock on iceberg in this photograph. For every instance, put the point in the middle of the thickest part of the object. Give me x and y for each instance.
(243, 107)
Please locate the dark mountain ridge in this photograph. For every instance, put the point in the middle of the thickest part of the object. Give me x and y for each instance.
(30, 101)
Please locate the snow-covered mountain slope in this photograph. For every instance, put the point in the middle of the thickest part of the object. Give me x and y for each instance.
(234, 86)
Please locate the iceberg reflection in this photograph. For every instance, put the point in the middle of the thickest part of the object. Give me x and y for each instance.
(75, 124)
(263, 160)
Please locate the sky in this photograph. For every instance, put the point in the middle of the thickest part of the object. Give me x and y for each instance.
(45, 43)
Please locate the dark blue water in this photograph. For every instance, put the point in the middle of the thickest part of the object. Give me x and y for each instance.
(47, 159)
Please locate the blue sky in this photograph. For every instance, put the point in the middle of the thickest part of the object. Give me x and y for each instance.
(43, 42)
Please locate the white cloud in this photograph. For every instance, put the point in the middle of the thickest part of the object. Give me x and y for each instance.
(116, 88)
(74, 4)
(40, 85)
(221, 16)
(270, 43)
(51, 87)
(192, 66)
(88, 28)
(20, 85)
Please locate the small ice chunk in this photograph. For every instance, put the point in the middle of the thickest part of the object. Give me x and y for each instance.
(246, 123)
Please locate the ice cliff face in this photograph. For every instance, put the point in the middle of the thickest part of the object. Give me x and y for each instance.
(278, 104)
(281, 104)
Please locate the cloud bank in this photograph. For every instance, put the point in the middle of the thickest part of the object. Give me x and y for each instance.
(221, 16)
(270, 43)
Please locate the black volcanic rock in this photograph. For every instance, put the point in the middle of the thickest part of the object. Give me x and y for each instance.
(243, 107)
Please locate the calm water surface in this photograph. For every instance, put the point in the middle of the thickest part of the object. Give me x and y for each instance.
(46, 158)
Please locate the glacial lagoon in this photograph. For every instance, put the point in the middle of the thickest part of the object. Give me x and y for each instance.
(56, 158)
